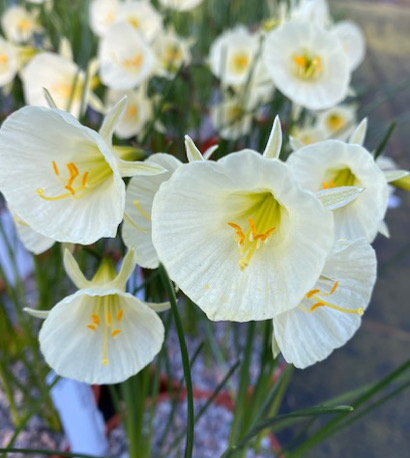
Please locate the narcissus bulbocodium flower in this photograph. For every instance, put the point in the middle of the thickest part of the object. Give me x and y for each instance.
(137, 226)
(8, 63)
(19, 24)
(308, 64)
(64, 179)
(233, 55)
(337, 122)
(331, 309)
(126, 60)
(100, 334)
(172, 52)
(333, 163)
(239, 236)
(353, 42)
(103, 14)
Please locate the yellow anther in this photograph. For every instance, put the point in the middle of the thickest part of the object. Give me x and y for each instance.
(137, 205)
(239, 233)
(119, 315)
(4, 58)
(306, 66)
(312, 293)
(335, 122)
(104, 361)
(132, 111)
(95, 319)
(115, 333)
(108, 317)
(135, 61)
(328, 184)
(72, 191)
(92, 327)
(134, 22)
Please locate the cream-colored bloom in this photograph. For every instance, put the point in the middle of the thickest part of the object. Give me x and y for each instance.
(19, 24)
(333, 163)
(302, 136)
(172, 52)
(233, 54)
(142, 16)
(231, 119)
(69, 177)
(125, 59)
(101, 334)
(139, 111)
(8, 63)
(330, 312)
(337, 122)
(239, 236)
(103, 14)
(137, 226)
(180, 5)
(60, 76)
(307, 63)
(353, 42)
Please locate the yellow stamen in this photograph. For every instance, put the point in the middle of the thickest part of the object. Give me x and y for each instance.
(108, 318)
(95, 319)
(306, 66)
(134, 62)
(240, 62)
(90, 326)
(239, 233)
(72, 191)
(328, 185)
(132, 111)
(335, 122)
(317, 295)
(4, 58)
(141, 210)
(119, 315)
(116, 332)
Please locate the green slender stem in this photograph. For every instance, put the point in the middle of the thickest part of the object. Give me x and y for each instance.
(185, 361)
(32, 451)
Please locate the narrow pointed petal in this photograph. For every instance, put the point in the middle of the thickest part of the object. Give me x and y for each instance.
(127, 267)
(275, 347)
(42, 314)
(339, 197)
(131, 168)
(73, 271)
(384, 229)
(274, 144)
(49, 98)
(295, 143)
(112, 118)
(158, 306)
(393, 175)
(359, 133)
(192, 151)
(208, 153)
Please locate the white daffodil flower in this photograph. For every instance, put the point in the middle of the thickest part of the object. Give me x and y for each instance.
(330, 312)
(137, 225)
(239, 236)
(139, 111)
(308, 64)
(125, 58)
(19, 24)
(180, 5)
(333, 163)
(103, 14)
(8, 63)
(142, 16)
(233, 55)
(69, 177)
(100, 334)
(172, 52)
(62, 78)
(353, 42)
(302, 136)
(231, 119)
(337, 122)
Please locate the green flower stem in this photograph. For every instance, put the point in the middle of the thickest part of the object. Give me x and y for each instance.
(185, 361)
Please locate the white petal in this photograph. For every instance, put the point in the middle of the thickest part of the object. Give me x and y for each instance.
(393, 175)
(359, 133)
(133, 168)
(74, 351)
(74, 272)
(158, 306)
(42, 314)
(192, 151)
(305, 338)
(274, 144)
(127, 268)
(384, 229)
(208, 153)
(112, 118)
(339, 197)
